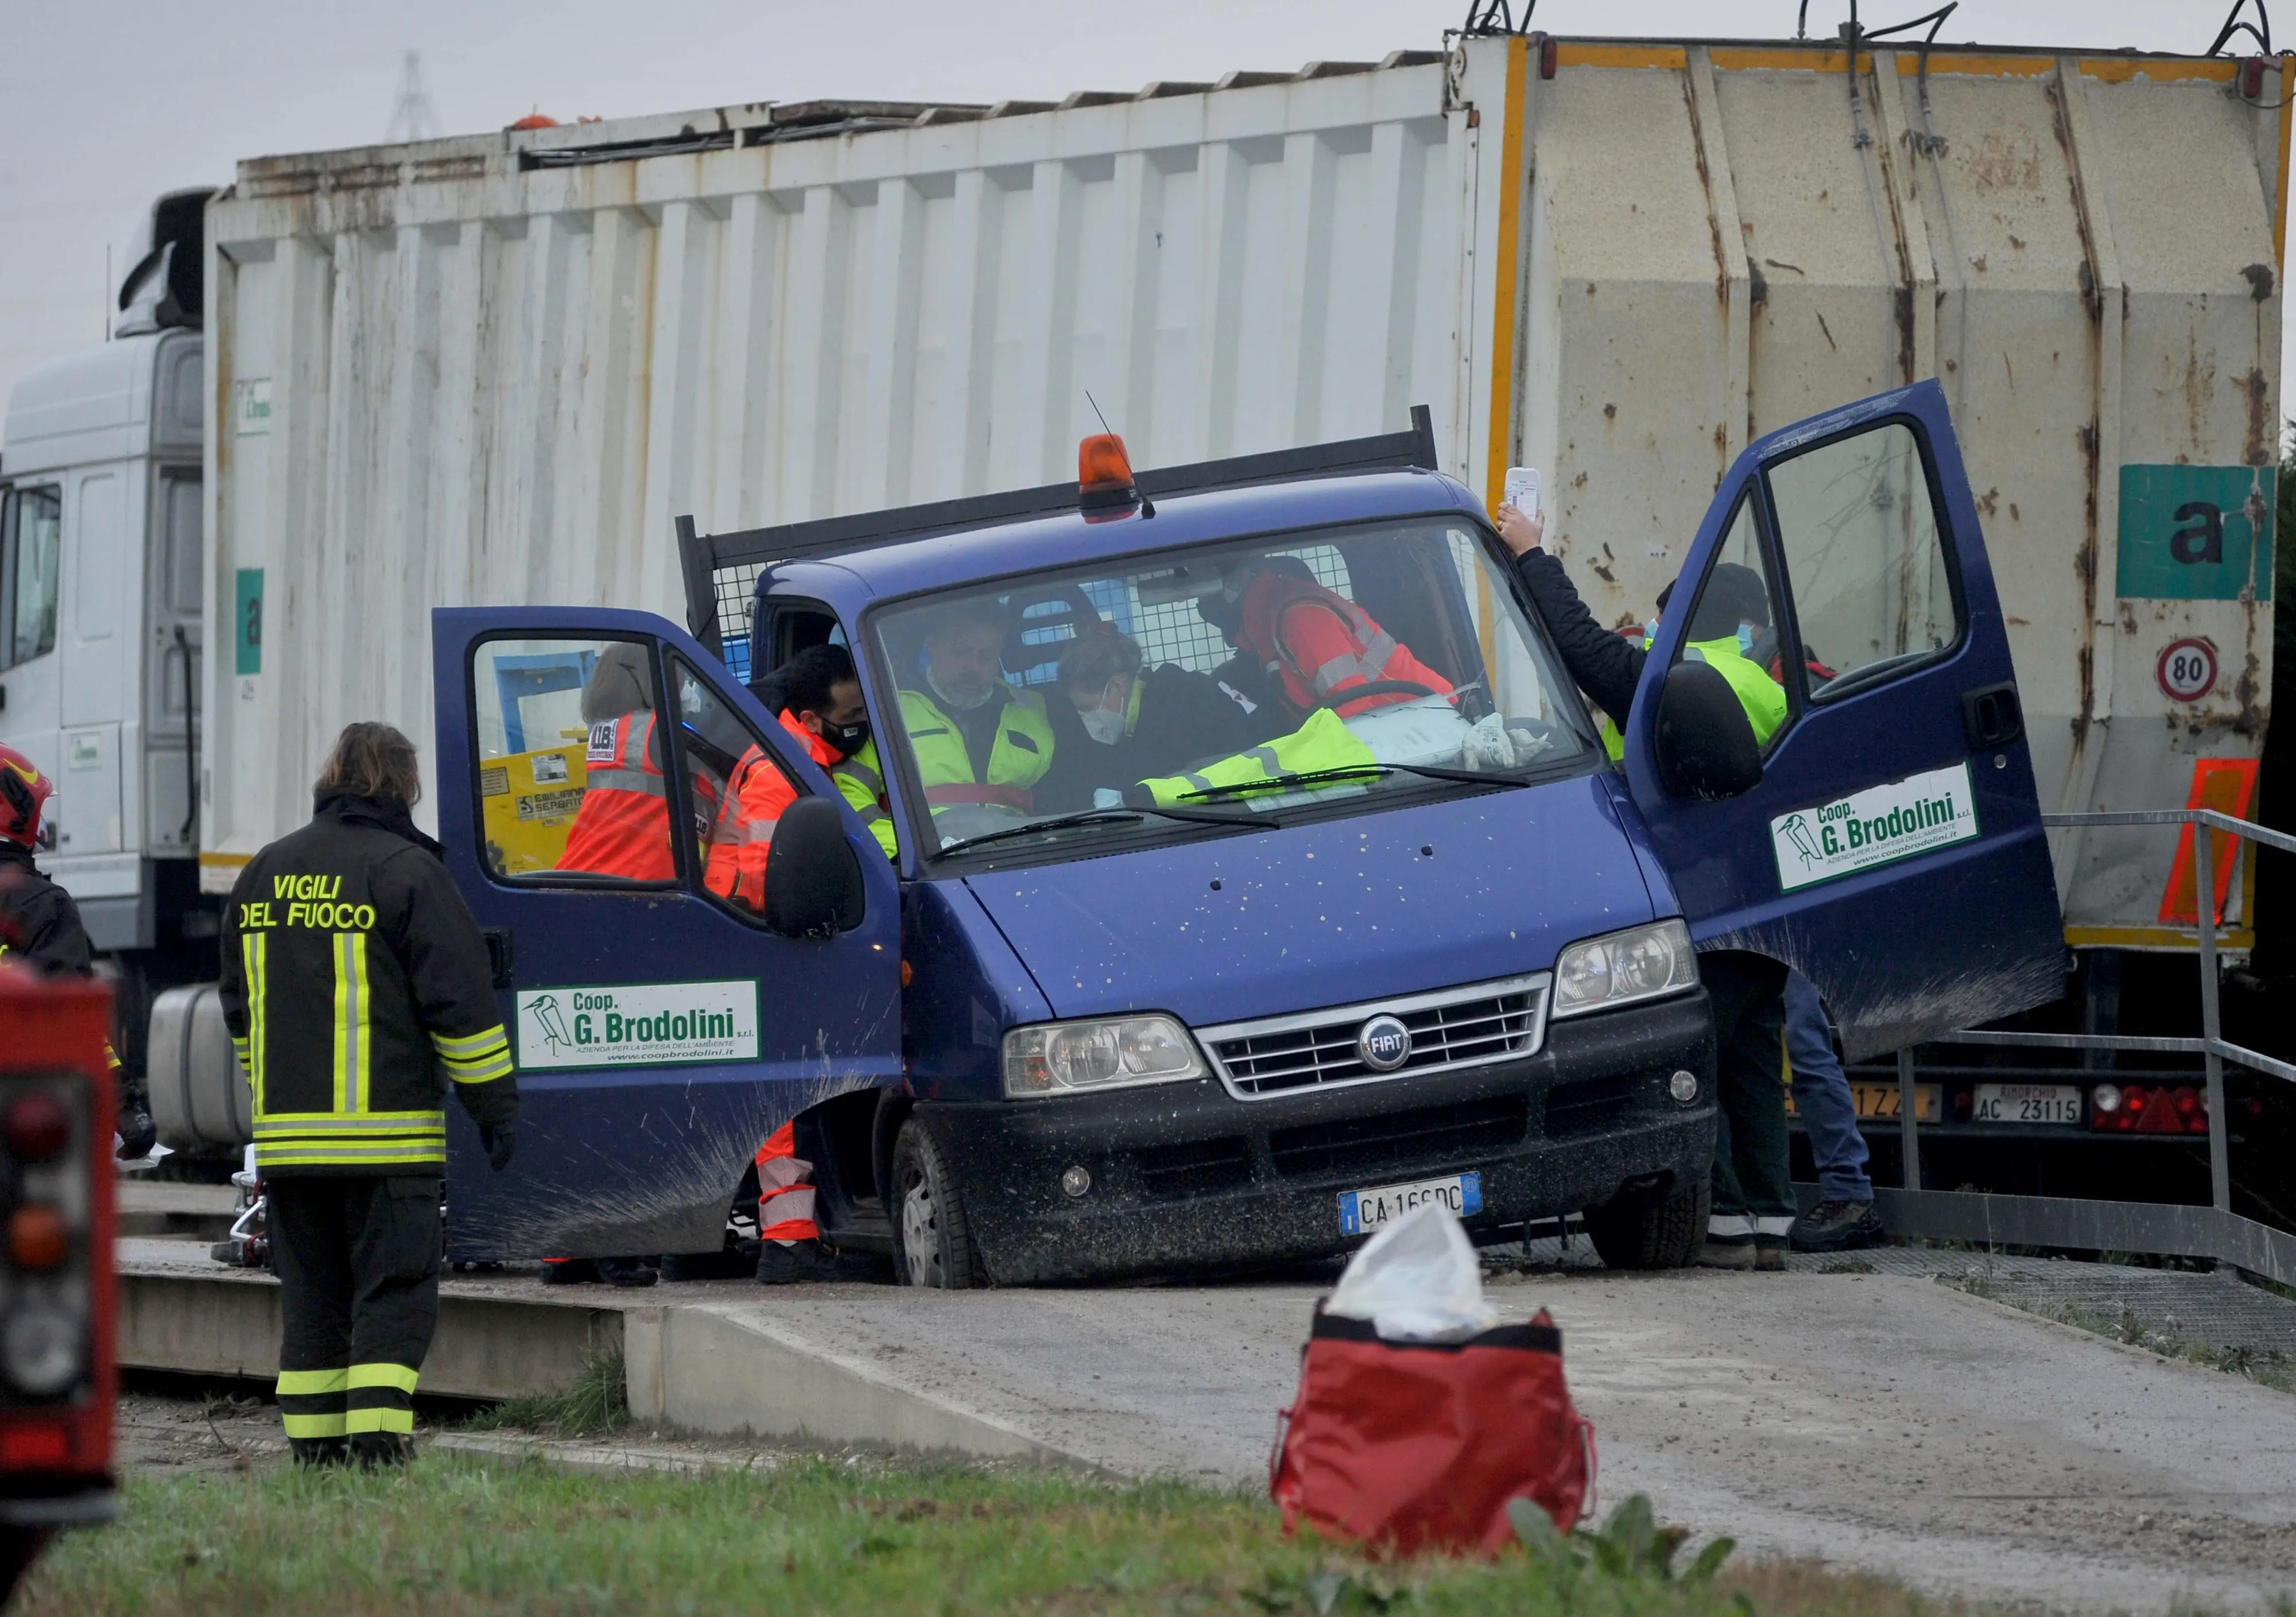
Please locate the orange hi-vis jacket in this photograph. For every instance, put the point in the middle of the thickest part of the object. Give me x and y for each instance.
(1320, 644)
(622, 828)
(759, 792)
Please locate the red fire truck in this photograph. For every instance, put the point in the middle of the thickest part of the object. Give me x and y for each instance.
(57, 1378)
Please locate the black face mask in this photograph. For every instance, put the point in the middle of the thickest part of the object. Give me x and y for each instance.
(848, 739)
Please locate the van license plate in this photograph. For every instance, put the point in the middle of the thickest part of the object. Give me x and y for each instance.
(2026, 1103)
(1362, 1212)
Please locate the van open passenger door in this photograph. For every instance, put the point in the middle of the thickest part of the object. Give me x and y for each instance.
(1891, 848)
(661, 1031)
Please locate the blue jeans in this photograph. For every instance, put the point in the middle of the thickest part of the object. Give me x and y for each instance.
(1821, 1096)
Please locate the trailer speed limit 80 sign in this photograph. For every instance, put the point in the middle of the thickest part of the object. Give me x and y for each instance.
(2187, 669)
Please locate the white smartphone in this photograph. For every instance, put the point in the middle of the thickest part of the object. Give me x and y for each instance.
(1522, 488)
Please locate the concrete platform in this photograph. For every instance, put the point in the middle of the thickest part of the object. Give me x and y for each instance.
(1876, 1420)
(164, 1207)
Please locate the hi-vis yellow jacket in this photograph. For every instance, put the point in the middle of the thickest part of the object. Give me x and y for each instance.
(354, 984)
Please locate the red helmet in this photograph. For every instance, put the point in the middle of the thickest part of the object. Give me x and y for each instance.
(24, 793)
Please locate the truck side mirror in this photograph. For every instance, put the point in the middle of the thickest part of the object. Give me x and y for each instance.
(1704, 740)
(813, 877)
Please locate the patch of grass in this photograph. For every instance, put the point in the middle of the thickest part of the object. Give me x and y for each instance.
(2268, 1368)
(456, 1534)
(596, 1402)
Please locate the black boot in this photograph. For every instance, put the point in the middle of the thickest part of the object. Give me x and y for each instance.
(381, 1450)
(316, 1453)
(1839, 1227)
(627, 1271)
(788, 1262)
(568, 1271)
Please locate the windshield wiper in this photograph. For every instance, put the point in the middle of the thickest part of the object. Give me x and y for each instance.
(1287, 782)
(1095, 816)
(1314, 778)
(1473, 777)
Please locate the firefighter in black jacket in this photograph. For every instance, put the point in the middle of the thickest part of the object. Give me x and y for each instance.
(355, 983)
(40, 925)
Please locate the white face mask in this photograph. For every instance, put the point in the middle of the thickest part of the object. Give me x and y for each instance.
(1104, 724)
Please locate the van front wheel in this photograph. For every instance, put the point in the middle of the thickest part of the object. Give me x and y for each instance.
(933, 1242)
(1642, 1233)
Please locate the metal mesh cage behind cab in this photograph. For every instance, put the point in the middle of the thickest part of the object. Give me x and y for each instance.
(721, 571)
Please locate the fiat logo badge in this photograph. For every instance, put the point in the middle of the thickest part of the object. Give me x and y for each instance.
(1384, 1043)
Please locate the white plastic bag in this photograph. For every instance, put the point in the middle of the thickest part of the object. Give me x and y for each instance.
(1417, 1280)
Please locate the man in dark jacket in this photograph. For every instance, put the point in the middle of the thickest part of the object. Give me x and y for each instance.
(1753, 1210)
(354, 984)
(1145, 721)
(40, 925)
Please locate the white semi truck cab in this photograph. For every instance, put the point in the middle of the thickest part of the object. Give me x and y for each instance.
(101, 619)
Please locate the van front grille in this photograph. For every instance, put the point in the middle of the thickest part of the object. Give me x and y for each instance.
(1463, 1027)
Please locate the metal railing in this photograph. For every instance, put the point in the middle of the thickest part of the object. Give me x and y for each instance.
(2164, 1229)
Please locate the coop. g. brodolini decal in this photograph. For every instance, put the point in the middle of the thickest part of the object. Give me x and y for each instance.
(1877, 826)
(653, 1023)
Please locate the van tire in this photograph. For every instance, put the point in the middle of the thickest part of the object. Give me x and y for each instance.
(1642, 1235)
(932, 1242)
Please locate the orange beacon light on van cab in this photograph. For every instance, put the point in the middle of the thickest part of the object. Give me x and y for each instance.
(1104, 485)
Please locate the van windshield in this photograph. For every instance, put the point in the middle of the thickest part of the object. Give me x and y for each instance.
(1236, 683)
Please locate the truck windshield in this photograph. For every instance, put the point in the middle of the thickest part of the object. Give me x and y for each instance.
(1230, 683)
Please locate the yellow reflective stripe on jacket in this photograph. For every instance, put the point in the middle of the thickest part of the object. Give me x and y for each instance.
(259, 1007)
(373, 1157)
(475, 1058)
(1762, 697)
(397, 1377)
(313, 1140)
(354, 1046)
(1324, 742)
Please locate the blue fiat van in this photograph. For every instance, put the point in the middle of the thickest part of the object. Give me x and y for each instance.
(1145, 1007)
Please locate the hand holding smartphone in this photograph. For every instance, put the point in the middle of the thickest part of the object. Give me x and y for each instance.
(1522, 488)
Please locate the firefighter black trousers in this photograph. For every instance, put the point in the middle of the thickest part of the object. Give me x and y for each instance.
(357, 1261)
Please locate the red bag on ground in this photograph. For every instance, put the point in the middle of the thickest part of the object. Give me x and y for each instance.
(1407, 1446)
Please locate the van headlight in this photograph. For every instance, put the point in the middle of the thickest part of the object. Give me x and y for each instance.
(1619, 968)
(1105, 1053)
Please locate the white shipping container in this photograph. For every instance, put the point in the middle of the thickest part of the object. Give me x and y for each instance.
(496, 369)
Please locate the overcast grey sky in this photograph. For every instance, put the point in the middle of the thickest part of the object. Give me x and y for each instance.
(105, 103)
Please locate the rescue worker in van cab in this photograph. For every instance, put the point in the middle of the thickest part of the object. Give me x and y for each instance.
(1753, 1209)
(1314, 641)
(977, 741)
(40, 925)
(357, 989)
(622, 827)
(826, 715)
(1143, 721)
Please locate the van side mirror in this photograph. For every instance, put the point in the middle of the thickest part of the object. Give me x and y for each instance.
(1704, 740)
(813, 877)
